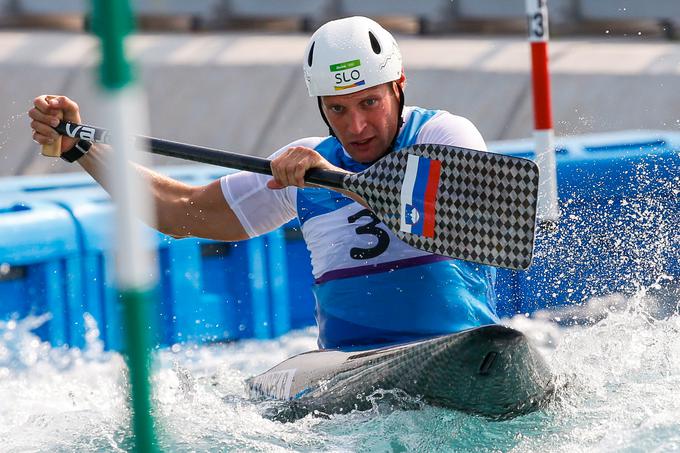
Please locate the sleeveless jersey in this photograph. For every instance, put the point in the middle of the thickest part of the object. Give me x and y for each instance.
(370, 287)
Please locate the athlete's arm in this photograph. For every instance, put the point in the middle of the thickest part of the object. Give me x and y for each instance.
(188, 211)
(181, 210)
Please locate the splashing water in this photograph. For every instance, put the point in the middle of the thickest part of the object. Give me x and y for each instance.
(620, 376)
(611, 242)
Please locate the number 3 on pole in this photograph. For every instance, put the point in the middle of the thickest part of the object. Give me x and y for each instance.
(537, 15)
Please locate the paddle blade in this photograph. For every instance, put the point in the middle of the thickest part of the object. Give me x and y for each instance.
(471, 205)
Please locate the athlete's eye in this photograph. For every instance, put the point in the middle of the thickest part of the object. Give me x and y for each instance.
(370, 102)
(336, 108)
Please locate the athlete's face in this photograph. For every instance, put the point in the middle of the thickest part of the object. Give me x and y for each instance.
(365, 122)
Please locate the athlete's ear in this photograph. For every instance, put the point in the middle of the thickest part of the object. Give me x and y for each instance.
(401, 81)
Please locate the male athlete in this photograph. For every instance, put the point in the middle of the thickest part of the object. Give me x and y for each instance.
(371, 287)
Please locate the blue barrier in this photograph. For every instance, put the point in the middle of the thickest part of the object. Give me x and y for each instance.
(40, 184)
(46, 185)
(39, 269)
(91, 212)
(202, 296)
(279, 279)
(298, 262)
(251, 280)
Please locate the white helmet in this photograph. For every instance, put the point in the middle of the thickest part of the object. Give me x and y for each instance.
(349, 55)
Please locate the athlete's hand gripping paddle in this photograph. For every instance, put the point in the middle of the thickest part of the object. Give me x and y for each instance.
(471, 205)
(53, 149)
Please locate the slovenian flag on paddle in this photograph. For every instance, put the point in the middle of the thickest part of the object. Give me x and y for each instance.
(419, 195)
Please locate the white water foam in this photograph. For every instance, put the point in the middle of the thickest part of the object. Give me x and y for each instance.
(621, 376)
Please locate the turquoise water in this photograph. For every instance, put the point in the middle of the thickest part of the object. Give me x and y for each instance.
(621, 375)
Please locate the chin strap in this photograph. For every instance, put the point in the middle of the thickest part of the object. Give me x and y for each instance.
(323, 115)
(400, 118)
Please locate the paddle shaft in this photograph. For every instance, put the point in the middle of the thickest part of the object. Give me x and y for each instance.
(326, 178)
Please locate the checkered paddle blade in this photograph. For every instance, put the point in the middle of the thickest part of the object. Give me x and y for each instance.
(466, 204)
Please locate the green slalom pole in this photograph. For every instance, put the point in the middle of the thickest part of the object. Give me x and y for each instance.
(135, 258)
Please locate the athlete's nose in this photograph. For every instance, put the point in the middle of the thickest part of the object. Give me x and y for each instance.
(357, 122)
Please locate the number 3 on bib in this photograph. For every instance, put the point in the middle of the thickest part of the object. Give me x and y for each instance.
(371, 228)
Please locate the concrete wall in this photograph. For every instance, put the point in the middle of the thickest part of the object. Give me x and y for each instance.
(245, 93)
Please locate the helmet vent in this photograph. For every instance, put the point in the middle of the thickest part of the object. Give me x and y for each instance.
(374, 43)
(310, 57)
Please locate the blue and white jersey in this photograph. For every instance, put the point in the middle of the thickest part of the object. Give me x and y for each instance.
(370, 286)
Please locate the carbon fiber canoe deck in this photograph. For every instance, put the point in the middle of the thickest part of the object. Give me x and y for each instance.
(491, 371)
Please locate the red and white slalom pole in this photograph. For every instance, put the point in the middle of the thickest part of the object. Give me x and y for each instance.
(548, 207)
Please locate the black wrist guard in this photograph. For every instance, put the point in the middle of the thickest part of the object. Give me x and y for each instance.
(79, 150)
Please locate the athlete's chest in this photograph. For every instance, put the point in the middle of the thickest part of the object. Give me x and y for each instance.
(352, 236)
(351, 229)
